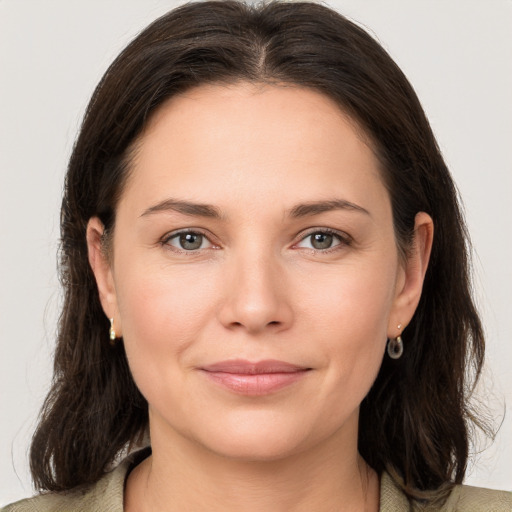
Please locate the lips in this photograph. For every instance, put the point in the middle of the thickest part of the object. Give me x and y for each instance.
(254, 378)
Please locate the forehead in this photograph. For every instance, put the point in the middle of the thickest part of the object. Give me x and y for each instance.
(221, 141)
(262, 107)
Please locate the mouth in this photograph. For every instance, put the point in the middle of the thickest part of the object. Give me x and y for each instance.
(254, 378)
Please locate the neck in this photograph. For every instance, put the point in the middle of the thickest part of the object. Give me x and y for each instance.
(182, 475)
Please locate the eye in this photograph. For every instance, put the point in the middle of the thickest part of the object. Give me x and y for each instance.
(322, 240)
(188, 241)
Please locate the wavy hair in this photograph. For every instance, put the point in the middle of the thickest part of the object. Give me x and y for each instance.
(414, 422)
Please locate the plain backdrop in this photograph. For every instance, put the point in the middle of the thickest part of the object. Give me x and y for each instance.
(458, 56)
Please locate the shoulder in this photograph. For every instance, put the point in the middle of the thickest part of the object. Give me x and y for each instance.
(106, 494)
(463, 498)
(53, 502)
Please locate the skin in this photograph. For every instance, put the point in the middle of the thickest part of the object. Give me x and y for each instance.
(255, 289)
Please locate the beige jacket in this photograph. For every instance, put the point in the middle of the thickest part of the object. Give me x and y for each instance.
(107, 496)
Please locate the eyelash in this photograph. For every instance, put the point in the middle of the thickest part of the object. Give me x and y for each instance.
(175, 234)
(343, 238)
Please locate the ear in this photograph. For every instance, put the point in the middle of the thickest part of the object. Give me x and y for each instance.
(412, 275)
(102, 270)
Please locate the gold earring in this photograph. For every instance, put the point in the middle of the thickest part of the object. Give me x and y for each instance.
(112, 332)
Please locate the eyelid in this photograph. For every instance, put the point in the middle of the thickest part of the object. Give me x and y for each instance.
(173, 234)
(343, 238)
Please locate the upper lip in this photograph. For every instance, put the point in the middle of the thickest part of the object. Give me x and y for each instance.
(241, 366)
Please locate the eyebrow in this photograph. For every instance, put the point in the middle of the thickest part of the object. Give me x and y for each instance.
(317, 207)
(185, 208)
(210, 211)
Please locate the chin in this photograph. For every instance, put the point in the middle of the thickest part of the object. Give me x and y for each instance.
(251, 440)
(255, 449)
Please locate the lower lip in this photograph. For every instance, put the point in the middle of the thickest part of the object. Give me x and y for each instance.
(255, 384)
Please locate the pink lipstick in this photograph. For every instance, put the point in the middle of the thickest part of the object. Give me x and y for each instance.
(254, 379)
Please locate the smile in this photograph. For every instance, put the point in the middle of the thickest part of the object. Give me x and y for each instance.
(254, 379)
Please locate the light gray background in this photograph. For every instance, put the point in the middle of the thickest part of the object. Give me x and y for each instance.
(458, 56)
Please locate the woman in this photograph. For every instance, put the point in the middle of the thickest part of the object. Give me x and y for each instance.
(266, 277)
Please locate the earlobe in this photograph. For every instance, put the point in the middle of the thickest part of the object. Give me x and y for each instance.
(102, 269)
(414, 270)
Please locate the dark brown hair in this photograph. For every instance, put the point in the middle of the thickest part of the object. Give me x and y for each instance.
(414, 422)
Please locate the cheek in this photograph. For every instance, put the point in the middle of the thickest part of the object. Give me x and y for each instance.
(163, 311)
(349, 320)
(354, 299)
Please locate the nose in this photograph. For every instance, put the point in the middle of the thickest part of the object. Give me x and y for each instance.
(256, 298)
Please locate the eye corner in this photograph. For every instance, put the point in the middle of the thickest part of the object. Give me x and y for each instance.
(328, 235)
(196, 244)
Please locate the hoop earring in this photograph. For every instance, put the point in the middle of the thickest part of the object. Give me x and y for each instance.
(112, 332)
(395, 348)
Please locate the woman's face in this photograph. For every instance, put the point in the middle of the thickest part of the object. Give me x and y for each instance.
(255, 276)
